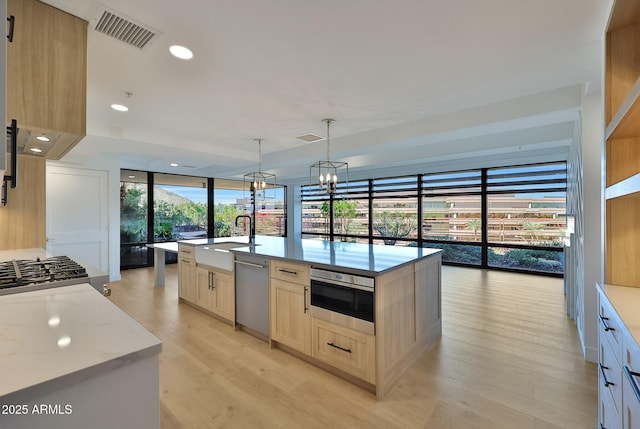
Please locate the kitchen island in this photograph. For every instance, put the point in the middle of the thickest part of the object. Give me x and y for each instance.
(406, 306)
(69, 358)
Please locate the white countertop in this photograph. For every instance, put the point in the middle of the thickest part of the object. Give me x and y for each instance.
(626, 301)
(24, 254)
(54, 337)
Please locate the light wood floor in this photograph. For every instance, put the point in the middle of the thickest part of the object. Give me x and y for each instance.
(509, 358)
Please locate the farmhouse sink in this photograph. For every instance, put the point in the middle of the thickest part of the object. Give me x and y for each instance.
(218, 255)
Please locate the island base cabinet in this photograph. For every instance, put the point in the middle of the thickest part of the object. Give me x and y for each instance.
(290, 318)
(216, 292)
(350, 351)
(187, 287)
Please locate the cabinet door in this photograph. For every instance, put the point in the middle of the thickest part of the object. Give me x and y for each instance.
(290, 320)
(348, 350)
(224, 290)
(631, 408)
(187, 287)
(206, 297)
(46, 68)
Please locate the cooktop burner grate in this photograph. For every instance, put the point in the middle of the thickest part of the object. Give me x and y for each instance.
(28, 272)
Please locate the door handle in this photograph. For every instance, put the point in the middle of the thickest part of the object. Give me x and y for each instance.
(12, 24)
(305, 300)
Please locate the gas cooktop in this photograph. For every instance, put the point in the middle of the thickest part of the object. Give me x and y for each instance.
(54, 271)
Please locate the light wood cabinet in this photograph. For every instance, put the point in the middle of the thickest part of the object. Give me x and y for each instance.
(622, 144)
(187, 282)
(22, 220)
(290, 321)
(216, 291)
(46, 74)
(350, 351)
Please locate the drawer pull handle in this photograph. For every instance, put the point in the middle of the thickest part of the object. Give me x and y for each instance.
(607, 383)
(338, 347)
(12, 24)
(282, 270)
(634, 386)
(186, 262)
(602, 427)
(305, 301)
(606, 327)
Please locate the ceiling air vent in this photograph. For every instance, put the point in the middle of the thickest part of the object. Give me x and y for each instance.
(123, 28)
(310, 137)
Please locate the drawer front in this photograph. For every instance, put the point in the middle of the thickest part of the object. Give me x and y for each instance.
(631, 409)
(289, 271)
(186, 252)
(610, 327)
(631, 354)
(610, 375)
(608, 415)
(350, 351)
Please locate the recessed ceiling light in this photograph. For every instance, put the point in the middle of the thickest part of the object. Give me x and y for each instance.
(173, 164)
(132, 177)
(43, 138)
(181, 52)
(35, 150)
(119, 107)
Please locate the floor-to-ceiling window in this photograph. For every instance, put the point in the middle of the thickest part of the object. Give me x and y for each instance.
(179, 207)
(505, 218)
(157, 207)
(134, 219)
(452, 215)
(526, 217)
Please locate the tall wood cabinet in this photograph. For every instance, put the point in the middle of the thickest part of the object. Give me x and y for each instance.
(47, 75)
(22, 220)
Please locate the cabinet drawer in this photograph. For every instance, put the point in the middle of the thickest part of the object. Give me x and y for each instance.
(631, 354)
(289, 271)
(350, 351)
(186, 252)
(610, 327)
(610, 375)
(608, 415)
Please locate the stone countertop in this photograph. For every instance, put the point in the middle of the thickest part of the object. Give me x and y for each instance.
(368, 259)
(626, 301)
(24, 254)
(52, 338)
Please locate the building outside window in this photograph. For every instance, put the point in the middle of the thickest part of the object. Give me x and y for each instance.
(506, 218)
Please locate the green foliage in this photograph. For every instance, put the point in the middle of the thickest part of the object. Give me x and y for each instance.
(225, 216)
(394, 224)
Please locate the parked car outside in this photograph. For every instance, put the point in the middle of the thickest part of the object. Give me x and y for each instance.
(187, 232)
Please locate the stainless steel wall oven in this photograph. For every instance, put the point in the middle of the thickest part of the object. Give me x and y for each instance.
(346, 299)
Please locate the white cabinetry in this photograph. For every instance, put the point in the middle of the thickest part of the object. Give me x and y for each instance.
(619, 360)
(631, 383)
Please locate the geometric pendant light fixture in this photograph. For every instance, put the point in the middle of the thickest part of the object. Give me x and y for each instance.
(327, 173)
(262, 184)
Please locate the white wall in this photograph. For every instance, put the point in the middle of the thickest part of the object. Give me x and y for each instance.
(593, 211)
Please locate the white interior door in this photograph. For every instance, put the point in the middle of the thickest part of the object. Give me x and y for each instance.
(77, 214)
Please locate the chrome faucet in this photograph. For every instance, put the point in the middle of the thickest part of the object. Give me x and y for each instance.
(252, 231)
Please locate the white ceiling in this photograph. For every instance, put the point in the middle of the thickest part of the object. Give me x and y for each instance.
(409, 82)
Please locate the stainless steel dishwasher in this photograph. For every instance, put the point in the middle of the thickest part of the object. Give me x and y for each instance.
(252, 292)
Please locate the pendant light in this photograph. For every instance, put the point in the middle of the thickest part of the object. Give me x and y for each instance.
(327, 173)
(262, 184)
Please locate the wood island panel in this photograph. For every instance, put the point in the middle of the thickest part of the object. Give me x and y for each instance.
(408, 318)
